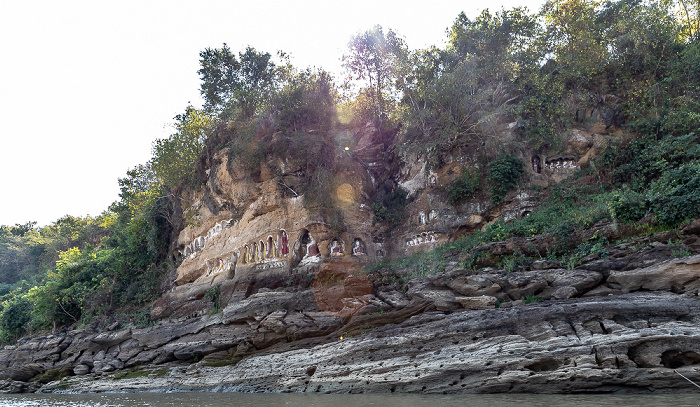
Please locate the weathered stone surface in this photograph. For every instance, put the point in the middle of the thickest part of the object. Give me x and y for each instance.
(553, 347)
(109, 339)
(444, 319)
(476, 285)
(8, 386)
(23, 372)
(80, 370)
(481, 302)
(159, 335)
(678, 275)
(261, 304)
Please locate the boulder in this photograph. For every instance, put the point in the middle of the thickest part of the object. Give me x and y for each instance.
(676, 275)
(476, 285)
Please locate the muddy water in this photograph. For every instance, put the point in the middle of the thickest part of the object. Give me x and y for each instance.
(304, 400)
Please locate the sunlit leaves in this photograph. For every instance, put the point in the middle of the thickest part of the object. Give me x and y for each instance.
(174, 157)
(238, 85)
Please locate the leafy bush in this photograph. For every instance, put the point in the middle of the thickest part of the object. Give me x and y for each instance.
(391, 209)
(645, 158)
(214, 295)
(541, 109)
(627, 206)
(675, 196)
(463, 187)
(504, 173)
(14, 318)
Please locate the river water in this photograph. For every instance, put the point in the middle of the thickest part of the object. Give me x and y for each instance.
(307, 400)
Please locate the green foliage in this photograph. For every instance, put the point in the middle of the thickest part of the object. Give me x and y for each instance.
(214, 295)
(627, 206)
(503, 175)
(392, 208)
(512, 262)
(14, 317)
(372, 59)
(174, 158)
(464, 187)
(675, 196)
(531, 298)
(541, 110)
(238, 86)
(645, 158)
(306, 102)
(681, 252)
(498, 42)
(595, 245)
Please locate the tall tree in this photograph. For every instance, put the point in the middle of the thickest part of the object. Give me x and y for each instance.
(237, 85)
(372, 59)
(575, 38)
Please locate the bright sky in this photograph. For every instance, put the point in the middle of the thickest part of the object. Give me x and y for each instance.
(86, 86)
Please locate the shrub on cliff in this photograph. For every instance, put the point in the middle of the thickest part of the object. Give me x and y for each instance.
(675, 196)
(14, 317)
(392, 208)
(463, 187)
(503, 175)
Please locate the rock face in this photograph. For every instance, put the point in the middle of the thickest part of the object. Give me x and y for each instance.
(626, 343)
(591, 330)
(243, 228)
(272, 296)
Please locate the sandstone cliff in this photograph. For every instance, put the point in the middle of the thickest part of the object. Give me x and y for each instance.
(272, 295)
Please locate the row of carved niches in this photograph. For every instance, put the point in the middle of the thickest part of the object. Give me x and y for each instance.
(554, 164)
(223, 264)
(336, 248)
(199, 242)
(422, 238)
(270, 248)
(305, 248)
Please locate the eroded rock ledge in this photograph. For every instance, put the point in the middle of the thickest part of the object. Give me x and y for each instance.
(615, 324)
(625, 343)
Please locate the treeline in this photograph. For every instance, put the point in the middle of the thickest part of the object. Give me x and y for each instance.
(636, 62)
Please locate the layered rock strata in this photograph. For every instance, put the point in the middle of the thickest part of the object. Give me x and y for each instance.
(593, 330)
(626, 343)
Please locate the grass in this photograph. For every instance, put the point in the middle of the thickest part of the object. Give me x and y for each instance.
(220, 363)
(531, 298)
(681, 252)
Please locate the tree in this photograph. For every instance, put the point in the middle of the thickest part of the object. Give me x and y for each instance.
(372, 59)
(575, 38)
(174, 158)
(499, 44)
(689, 14)
(238, 86)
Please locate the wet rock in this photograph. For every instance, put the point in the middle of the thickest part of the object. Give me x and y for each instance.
(23, 372)
(519, 349)
(8, 386)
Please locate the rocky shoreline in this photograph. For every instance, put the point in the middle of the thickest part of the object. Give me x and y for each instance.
(617, 324)
(627, 343)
